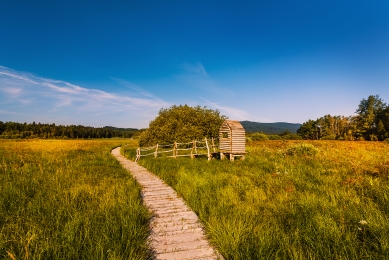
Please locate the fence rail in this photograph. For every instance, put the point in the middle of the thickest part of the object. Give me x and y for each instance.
(207, 147)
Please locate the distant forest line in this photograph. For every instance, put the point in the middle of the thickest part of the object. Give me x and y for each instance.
(51, 131)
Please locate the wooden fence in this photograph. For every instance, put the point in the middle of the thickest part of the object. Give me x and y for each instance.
(192, 149)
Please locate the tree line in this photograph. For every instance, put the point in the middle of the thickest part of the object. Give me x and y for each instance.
(52, 131)
(184, 123)
(371, 123)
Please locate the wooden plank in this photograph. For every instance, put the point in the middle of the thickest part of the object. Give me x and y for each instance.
(234, 125)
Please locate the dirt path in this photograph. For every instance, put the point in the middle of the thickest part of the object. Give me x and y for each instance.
(176, 230)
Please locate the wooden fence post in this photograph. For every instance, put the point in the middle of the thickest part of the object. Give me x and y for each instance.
(191, 152)
(208, 153)
(213, 145)
(156, 151)
(175, 150)
(137, 154)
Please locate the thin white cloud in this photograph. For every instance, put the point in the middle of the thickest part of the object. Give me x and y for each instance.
(8, 72)
(235, 113)
(136, 88)
(195, 75)
(12, 91)
(196, 68)
(8, 112)
(21, 89)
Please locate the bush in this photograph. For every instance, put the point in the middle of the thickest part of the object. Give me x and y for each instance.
(248, 139)
(259, 137)
(182, 124)
(291, 137)
(373, 138)
(274, 137)
(302, 149)
(387, 140)
(329, 137)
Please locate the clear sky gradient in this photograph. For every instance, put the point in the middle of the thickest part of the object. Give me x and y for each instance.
(118, 62)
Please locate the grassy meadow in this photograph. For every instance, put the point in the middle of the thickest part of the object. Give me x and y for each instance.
(69, 200)
(289, 199)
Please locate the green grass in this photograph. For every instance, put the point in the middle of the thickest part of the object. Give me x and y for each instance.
(69, 200)
(289, 200)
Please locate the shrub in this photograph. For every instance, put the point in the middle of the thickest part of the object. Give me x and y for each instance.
(259, 137)
(329, 137)
(274, 137)
(387, 140)
(291, 137)
(373, 138)
(183, 124)
(248, 139)
(302, 149)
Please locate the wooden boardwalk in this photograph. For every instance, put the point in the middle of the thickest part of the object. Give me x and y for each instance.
(176, 232)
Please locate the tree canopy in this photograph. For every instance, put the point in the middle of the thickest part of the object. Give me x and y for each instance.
(370, 123)
(182, 124)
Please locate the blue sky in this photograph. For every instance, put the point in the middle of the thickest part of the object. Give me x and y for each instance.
(118, 62)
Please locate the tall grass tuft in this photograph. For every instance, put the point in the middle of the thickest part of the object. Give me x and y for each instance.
(69, 200)
(290, 200)
(302, 149)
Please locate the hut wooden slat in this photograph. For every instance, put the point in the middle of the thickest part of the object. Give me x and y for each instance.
(232, 139)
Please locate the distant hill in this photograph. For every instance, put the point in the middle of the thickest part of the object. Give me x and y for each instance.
(269, 128)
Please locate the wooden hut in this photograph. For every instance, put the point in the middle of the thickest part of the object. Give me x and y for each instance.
(232, 140)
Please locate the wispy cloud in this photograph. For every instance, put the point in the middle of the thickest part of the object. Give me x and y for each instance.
(195, 75)
(137, 88)
(235, 113)
(196, 68)
(12, 91)
(20, 89)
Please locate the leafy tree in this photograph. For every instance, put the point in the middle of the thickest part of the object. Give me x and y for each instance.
(383, 124)
(182, 124)
(2, 127)
(368, 116)
(308, 130)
